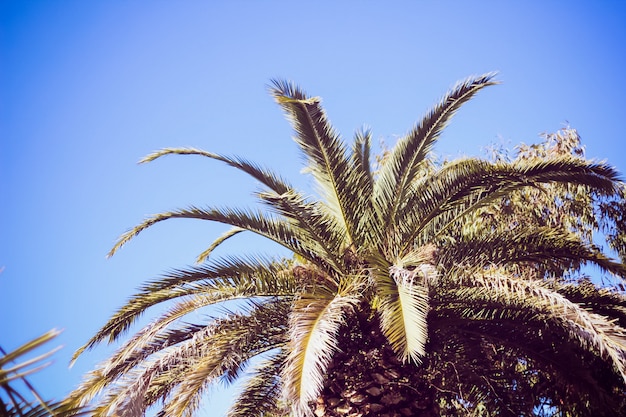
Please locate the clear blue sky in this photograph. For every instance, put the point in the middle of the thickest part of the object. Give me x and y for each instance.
(89, 87)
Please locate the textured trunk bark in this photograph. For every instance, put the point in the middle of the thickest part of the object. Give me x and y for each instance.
(366, 379)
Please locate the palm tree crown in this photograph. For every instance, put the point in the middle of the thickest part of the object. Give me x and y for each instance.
(398, 268)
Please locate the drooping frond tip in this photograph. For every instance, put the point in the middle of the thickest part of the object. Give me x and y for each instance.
(177, 151)
(482, 79)
(285, 90)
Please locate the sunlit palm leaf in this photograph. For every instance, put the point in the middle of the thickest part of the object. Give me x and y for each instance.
(314, 323)
(158, 372)
(404, 305)
(142, 344)
(261, 330)
(403, 163)
(327, 156)
(219, 281)
(274, 229)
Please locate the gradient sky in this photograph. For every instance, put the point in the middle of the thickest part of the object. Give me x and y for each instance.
(89, 87)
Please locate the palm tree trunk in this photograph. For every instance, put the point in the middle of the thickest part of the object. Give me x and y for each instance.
(367, 379)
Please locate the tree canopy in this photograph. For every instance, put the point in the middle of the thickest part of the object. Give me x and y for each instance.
(415, 287)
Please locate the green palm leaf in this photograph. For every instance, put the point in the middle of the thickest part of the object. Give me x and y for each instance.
(338, 180)
(404, 162)
(315, 320)
(468, 184)
(272, 181)
(531, 246)
(404, 305)
(277, 230)
(206, 285)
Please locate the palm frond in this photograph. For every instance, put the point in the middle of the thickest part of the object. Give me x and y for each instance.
(404, 306)
(592, 331)
(367, 216)
(324, 150)
(217, 349)
(262, 392)
(465, 185)
(314, 223)
(223, 267)
(537, 246)
(222, 280)
(327, 157)
(137, 347)
(315, 321)
(269, 179)
(259, 331)
(14, 370)
(403, 164)
(50, 409)
(274, 229)
(26, 348)
(361, 155)
(128, 357)
(204, 256)
(8, 374)
(279, 187)
(604, 301)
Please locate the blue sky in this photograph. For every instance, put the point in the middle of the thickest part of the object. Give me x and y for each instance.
(89, 87)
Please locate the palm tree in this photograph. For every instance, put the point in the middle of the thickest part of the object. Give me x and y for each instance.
(14, 369)
(397, 301)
